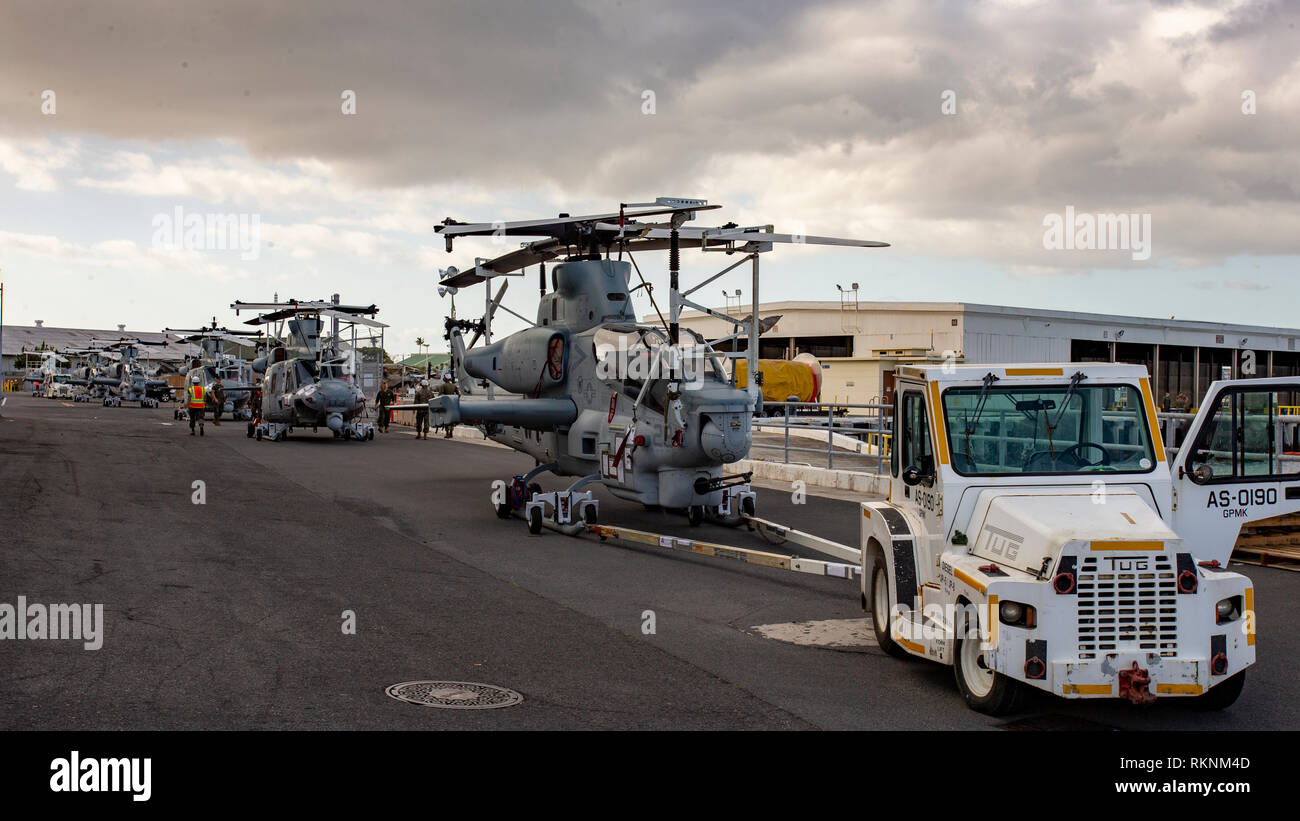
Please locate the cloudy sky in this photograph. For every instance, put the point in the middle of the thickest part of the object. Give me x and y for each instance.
(953, 130)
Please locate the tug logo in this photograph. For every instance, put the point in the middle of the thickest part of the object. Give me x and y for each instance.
(75, 774)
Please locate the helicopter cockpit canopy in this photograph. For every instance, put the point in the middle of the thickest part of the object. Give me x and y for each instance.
(633, 354)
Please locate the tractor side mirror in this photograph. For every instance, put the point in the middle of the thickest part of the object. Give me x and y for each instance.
(913, 476)
(1202, 474)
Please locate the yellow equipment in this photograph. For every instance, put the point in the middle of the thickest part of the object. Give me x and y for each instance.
(785, 380)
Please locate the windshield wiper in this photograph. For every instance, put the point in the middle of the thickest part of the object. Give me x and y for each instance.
(989, 379)
(1065, 403)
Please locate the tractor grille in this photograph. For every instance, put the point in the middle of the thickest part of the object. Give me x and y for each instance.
(1127, 603)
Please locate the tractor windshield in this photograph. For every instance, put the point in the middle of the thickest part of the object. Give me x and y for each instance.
(1048, 430)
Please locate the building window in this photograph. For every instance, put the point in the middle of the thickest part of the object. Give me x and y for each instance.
(771, 349)
(1089, 350)
(1216, 363)
(1286, 363)
(824, 346)
(1132, 353)
(1174, 383)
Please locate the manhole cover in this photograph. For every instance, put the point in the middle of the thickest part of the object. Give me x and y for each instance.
(454, 695)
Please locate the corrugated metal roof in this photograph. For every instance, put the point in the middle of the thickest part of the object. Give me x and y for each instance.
(18, 338)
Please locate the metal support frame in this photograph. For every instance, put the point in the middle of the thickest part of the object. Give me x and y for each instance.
(678, 299)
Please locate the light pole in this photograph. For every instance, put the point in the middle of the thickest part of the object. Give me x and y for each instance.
(2, 329)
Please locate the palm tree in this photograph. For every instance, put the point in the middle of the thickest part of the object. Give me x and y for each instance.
(419, 344)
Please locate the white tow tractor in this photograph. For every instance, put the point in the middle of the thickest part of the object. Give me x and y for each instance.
(1035, 535)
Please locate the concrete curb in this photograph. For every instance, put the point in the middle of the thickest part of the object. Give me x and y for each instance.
(812, 476)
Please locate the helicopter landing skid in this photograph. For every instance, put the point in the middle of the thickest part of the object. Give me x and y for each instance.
(358, 429)
(738, 504)
(568, 511)
(275, 431)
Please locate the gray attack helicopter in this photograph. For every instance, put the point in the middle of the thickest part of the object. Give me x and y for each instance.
(600, 396)
(51, 380)
(307, 380)
(214, 365)
(89, 364)
(126, 379)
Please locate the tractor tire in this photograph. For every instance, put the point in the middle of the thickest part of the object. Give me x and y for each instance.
(881, 606)
(984, 690)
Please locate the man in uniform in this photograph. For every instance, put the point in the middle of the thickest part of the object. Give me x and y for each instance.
(422, 395)
(448, 388)
(383, 399)
(196, 401)
(218, 396)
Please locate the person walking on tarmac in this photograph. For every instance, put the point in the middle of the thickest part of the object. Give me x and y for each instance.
(422, 396)
(383, 399)
(218, 397)
(196, 402)
(448, 388)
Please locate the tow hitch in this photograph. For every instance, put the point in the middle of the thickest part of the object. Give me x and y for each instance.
(1135, 684)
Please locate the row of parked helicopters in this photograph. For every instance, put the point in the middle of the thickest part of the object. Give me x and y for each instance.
(650, 411)
(296, 377)
(108, 370)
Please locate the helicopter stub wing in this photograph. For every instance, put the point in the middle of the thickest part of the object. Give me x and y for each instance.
(544, 414)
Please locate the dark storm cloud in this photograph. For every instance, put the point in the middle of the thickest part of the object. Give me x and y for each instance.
(835, 105)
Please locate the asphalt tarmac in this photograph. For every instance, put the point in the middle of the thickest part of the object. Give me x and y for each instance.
(229, 614)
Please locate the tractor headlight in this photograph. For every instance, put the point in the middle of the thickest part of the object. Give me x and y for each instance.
(1227, 610)
(1017, 614)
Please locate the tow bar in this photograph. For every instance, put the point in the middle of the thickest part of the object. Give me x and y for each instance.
(797, 564)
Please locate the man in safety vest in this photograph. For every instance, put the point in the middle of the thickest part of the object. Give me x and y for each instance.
(196, 401)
